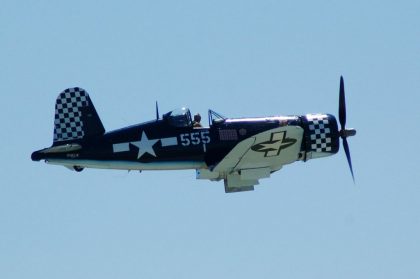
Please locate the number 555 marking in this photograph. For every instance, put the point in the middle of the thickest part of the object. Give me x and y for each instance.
(195, 138)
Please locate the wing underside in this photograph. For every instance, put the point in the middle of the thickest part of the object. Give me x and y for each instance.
(255, 158)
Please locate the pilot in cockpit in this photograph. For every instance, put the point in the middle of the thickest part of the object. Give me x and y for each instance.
(196, 122)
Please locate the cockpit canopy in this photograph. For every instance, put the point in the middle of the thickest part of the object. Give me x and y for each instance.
(179, 118)
(215, 118)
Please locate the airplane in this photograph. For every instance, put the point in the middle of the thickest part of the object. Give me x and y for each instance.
(239, 151)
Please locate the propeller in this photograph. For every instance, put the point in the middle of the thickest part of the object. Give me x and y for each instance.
(345, 133)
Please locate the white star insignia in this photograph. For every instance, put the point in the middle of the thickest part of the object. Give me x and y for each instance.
(145, 145)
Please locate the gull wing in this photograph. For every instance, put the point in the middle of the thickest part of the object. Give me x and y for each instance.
(257, 157)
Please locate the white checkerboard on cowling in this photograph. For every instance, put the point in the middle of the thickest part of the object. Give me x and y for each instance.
(320, 133)
(67, 122)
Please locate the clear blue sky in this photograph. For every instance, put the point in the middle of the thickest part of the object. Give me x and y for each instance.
(240, 58)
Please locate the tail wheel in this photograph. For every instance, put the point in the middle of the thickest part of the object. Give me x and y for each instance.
(78, 168)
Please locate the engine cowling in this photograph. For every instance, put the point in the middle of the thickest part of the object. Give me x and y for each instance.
(321, 136)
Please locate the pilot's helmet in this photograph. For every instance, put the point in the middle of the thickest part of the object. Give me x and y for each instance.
(197, 117)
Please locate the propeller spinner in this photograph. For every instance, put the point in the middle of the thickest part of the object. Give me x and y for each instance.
(345, 133)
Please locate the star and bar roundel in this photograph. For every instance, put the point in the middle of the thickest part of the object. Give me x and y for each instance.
(278, 141)
(144, 145)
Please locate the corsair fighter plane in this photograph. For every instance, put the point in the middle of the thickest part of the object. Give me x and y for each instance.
(239, 151)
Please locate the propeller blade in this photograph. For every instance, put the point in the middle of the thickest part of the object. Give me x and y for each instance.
(342, 105)
(347, 150)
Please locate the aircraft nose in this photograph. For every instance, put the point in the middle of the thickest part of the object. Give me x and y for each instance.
(348, 133)
(322, 136)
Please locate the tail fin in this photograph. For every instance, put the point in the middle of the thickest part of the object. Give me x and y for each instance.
(75, 116)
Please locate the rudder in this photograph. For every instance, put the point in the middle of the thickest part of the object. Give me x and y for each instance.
(75, 116)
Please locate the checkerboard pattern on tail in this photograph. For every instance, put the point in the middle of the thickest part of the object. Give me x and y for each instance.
(320, 133)
(68, 122)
